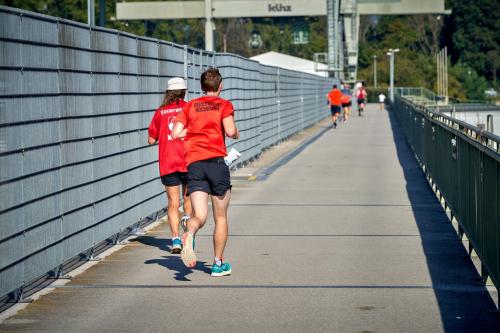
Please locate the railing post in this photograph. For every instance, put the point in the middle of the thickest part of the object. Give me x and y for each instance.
(489, 123)
(279, 106)
(186, 69)
(301, 101)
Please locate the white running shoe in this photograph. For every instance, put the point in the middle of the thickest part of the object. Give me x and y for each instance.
(187, 255)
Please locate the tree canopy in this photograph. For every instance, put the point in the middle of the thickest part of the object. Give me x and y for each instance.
(471, 33)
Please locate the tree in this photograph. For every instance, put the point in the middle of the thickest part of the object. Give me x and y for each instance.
(472, 35)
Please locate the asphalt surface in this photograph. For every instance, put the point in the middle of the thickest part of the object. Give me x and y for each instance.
(344, 237)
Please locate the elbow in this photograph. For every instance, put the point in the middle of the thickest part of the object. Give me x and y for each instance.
(231, 133)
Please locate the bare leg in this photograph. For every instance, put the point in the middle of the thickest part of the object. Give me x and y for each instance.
(219, 206)
(199, 202)
(173, 196)
(188, 210)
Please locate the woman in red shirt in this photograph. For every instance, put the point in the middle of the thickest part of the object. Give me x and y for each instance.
(173, 168)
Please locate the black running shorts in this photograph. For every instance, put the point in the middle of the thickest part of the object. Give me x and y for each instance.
(334, 109)
(361, 101)
(174, 179)
(210, 176)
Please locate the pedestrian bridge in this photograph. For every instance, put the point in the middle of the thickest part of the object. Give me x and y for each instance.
(388, 223)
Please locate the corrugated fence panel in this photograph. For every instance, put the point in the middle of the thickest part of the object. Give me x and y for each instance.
(76, 168)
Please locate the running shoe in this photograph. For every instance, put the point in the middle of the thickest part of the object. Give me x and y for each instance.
(222, 270)
(184, 222)
(176, 245)
(187, 255)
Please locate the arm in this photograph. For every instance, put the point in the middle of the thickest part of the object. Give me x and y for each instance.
(179, 131)
(230, 127)
(153, 130)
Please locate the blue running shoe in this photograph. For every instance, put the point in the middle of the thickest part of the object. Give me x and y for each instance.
(222, 270)
(176, 245)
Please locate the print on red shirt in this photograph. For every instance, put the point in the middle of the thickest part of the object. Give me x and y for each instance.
(202, 117)
(170, 152)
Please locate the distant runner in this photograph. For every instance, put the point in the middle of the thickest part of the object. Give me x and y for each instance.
(334, 101)
(381, 99)
(346, 102)
(361, 96)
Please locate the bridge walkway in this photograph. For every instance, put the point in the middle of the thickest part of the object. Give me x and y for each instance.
(346, 236)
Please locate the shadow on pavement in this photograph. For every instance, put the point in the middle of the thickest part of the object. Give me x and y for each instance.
(465, 310)
(172, 262)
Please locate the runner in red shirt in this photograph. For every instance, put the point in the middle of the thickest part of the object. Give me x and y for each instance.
(361, 96)
(334, 101)
(173, 170)
(203, 123)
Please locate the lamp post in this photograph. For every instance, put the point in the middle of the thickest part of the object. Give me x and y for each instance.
(391, 84)
(90, 12)
(375, 71)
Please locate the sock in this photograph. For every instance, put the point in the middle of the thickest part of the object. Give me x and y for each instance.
(175, 237)
(218, 261)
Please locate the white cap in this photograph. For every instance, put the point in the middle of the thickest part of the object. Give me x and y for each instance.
(176, 83)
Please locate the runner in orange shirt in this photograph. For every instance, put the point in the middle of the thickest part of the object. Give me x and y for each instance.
(335, 103)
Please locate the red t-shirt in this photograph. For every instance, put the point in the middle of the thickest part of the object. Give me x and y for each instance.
(202, 117)
(170, 151)
(361, 93)
(334, 97)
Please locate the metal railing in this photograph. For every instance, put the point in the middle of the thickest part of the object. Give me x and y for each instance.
(463, 163)
(426, 97)
(76, 172)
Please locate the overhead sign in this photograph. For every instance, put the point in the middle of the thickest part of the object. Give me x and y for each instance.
(220, 9)
(150, 10)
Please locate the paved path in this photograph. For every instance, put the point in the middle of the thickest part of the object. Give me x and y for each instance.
(345, 237)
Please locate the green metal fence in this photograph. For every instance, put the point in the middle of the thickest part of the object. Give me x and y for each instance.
(463, 163)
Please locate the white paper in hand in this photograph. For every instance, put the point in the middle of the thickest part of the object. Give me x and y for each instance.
(232, 156)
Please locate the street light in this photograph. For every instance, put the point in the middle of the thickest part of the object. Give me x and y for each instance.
(391, 85)
(375, 71)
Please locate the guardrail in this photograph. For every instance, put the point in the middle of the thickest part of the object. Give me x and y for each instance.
(426, 97)
(463, 163)
(76, 172)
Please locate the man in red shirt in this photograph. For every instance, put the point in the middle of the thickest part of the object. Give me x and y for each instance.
(335, 103)
(173, 169)
(203, 123)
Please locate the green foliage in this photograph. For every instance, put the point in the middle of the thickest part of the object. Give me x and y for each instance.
(471, 83)
(473, 35)
(471, 32)
(419, 38)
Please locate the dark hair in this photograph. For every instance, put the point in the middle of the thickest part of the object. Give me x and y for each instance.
(210, 80)
(173, 96)
(334, 86)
